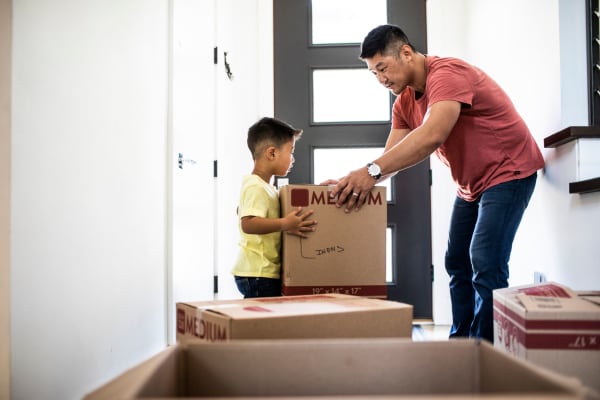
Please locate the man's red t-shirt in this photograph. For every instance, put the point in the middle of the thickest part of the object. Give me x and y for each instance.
(490, 143)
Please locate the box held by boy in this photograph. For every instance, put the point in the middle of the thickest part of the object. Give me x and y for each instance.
(347, 252)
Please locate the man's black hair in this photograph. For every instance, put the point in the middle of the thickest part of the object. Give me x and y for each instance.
(384, 40)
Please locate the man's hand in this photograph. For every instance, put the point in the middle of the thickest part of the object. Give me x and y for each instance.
(329, 182)
(353, 189)
(296, 223)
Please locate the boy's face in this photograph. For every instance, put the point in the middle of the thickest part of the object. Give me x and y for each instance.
(285, 158)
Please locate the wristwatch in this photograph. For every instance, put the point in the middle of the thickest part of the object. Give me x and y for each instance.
(374, 170)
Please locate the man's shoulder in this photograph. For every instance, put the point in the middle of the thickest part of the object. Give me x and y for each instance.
(450, 65)
(437, 61)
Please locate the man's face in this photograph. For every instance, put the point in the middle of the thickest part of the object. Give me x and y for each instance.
(392, 72)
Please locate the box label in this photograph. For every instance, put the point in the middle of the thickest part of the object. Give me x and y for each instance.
(367, 291)
(516, 340)
(303, 197)
(517, 334)
(546, 291)
(191, 324)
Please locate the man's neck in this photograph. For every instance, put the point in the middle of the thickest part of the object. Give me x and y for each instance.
(420, 74)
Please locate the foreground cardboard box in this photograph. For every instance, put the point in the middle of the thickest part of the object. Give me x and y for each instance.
(339, 369)
(550, 325)
(346, 254)
(311, 316)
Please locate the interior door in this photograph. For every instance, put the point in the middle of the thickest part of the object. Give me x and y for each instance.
(191, 149)
(221, 83)
(322, 87)
(244, 82)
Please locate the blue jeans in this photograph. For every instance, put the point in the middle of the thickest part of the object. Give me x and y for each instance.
(258, 287)
(480, 241)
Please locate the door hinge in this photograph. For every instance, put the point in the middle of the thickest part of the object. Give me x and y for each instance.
(216, 55)
(215, 170)
(215, 284)
(431, 272)
(430, 177)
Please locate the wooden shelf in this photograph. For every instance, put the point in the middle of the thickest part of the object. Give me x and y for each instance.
(567, 135)
(571, 133)
(587, 186)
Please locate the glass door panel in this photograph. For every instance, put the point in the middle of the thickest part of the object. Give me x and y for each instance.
(338, 96)
(345, 21)
(334, 163)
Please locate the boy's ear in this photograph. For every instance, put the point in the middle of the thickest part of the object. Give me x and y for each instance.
(271, 152)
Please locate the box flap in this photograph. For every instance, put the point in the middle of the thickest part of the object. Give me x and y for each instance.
(352, 368)
(545, 301)
(592, 296)
(549, 289)
(287, 306)
(568, 305)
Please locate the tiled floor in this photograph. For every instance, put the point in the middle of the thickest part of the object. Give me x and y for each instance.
(430, 331)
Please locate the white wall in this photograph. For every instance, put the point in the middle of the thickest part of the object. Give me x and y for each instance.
(536, 51)
(95, 120)
(88, 236)
(5, 155)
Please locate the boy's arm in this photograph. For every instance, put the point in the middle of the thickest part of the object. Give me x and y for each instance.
(295, 223)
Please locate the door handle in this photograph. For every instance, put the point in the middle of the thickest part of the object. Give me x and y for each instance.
(181, 161)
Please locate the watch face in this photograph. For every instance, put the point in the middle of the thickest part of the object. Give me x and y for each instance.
(374, 170)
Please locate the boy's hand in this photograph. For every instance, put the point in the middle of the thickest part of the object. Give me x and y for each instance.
(296, 223)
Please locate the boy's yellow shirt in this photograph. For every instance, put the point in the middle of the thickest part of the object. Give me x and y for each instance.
(259, 255)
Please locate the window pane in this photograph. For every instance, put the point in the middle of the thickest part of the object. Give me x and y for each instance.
(345, 21)
(348, 95)
(335, 163)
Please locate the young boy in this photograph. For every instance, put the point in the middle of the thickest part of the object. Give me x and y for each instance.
(258, 267)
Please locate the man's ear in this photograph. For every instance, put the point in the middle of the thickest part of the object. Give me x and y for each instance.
(405, 51)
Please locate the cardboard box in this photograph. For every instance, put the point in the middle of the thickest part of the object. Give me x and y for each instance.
(550, 325)
(339, 369)
(346, 253)
(311, 316)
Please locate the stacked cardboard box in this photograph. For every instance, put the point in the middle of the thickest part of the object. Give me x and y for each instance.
(338, 369)
(346, 253)
(550, 325)
(311, 316)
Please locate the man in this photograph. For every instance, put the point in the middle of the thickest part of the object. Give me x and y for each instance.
(446, 106)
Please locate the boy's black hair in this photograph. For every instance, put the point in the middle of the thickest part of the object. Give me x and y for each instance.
(270, 132)
(384, 40)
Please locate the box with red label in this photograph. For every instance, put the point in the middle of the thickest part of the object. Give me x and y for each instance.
(550, 325)
(346, 253)
(292, 317)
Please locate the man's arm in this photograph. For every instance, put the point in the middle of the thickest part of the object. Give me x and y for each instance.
(395, 137)
(411, 149)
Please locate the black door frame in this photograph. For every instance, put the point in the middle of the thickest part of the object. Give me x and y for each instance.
(409, 212)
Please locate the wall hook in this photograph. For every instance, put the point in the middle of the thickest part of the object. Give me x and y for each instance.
(227, 67)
